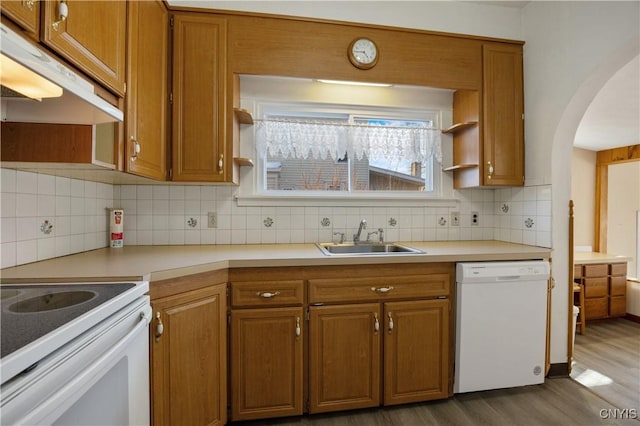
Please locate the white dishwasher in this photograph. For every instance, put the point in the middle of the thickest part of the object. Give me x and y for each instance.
(501, 313)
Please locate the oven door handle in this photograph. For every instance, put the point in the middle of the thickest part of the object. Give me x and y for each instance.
(52, 408)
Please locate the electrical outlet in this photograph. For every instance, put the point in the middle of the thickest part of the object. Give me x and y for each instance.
(212, 220)
(475, 219)
(455, 218)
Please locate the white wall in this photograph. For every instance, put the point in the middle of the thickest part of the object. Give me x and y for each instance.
(571, 50)
(583, 193)
(623, 203)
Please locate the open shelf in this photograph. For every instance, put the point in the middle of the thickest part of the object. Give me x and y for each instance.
(459, 127)
(244, 116)
(459, 167)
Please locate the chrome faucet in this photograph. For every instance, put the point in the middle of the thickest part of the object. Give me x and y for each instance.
(356, 237)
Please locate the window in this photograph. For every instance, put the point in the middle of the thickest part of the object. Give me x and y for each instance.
(345, 150)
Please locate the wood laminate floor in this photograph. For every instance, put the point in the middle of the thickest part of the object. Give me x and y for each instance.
(607, 360)
(560, 401)
(611, 349)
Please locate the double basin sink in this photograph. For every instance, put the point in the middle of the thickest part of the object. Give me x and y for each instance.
(350, 249)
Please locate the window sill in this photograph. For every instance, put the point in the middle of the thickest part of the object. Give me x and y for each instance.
(345, 200)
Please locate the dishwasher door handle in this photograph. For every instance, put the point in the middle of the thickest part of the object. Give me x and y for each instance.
(509, 278)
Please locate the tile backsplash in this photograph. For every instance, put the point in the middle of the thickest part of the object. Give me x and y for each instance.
(46, 216)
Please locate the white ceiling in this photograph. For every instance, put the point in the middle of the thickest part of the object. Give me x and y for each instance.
(612, 120)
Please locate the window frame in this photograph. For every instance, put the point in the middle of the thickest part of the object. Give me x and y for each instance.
(251, 192)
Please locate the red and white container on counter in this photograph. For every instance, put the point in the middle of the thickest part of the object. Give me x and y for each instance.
(116, 230)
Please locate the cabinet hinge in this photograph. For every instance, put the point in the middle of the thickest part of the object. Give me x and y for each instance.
(171, 22)
(125, 87)
(171, 98)
(306, 316)
(229, 320)
(170, 171)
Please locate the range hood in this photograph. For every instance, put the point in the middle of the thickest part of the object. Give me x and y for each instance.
(78, 103)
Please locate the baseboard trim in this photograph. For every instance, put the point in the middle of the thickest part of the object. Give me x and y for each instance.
(631, 317)
(560, 369)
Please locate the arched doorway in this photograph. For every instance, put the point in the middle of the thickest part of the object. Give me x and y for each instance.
(562, 149)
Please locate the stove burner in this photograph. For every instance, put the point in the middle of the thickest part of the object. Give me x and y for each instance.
(51, 301)
(30, 312)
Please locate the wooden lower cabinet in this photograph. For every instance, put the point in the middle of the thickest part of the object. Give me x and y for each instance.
(266, 362)
(344, 357)
(416, 351)
(188, 359)
(605, 286)
(299, 340)
(346, 346)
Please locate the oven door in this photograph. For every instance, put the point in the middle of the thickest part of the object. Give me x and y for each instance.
(99, 378)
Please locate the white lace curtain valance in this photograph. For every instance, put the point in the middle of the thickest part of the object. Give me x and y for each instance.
(297, 139)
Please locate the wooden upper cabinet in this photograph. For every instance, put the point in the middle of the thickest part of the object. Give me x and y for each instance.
(488, 128)
(503, 120)
(25, 13)
(188, 360)
(92, 37)
(147, 95)
(200, 149)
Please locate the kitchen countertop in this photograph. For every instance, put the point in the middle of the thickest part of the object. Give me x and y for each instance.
(153, 263)
(583, 258)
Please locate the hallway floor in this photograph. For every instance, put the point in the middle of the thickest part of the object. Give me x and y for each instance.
(607, 360)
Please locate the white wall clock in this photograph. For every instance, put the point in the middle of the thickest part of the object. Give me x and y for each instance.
(363, 53)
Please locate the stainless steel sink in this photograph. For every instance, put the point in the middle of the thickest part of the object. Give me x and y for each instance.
(350, 249)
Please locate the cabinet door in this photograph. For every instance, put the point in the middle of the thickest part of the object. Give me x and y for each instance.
(147, 99)
(503, 121)
(25, 13)
(266, 363)
(199, 85)
(93, 37)
(188, 359)
(344, 350)
(416, 351)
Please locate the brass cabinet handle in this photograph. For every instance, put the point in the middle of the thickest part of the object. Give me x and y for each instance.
(136, 149)
(221, 164)
(490, 169)
(298, 331)
(268, 294)
(390, 322)
(376, 323)
(63, 13)
(29, 4)
(382, 290)
(159, 326)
